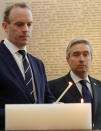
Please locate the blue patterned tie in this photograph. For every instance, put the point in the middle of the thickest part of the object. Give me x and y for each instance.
(85, 92)
(28, 75)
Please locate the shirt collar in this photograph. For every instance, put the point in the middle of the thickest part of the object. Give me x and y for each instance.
(13, 48)
(76, 79)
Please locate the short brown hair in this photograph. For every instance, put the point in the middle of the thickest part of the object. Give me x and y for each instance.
(8, 9)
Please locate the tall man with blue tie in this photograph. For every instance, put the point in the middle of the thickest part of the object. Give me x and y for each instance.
(22, 76)
(79, 58)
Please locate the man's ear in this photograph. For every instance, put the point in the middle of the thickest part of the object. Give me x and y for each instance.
(5, 26)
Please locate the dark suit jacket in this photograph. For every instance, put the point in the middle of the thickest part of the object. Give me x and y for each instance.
(73, 95)
(12, 85)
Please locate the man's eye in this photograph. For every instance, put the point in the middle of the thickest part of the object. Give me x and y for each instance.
(86, 54)
(29, 24)
(20, 24)
(75, 54)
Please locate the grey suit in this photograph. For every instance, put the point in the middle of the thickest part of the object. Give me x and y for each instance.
(73, 95)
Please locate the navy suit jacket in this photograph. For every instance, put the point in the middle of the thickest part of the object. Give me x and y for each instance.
(73, 95)
(12, 85)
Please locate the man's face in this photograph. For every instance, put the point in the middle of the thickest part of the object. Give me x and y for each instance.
(80, 59)
(20, 26)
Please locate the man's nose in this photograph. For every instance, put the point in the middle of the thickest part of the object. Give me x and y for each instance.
(81, 58)
(25, 28)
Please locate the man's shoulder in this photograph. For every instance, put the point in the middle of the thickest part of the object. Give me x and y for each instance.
(1, 43)
(94, 80)
(36, 62)
(35, 58)
(60, 79)
(3, 48)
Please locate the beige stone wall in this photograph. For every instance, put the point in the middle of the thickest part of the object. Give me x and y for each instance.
(56, 22)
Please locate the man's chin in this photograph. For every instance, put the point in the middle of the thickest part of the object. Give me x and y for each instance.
(82, 73)
(22, 44)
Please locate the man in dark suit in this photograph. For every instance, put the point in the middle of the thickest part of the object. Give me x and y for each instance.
(79, 58)
(17, 23)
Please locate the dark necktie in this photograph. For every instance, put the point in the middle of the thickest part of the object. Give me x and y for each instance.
(85, 92)
(28, 75)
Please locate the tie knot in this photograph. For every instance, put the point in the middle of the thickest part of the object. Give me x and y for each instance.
(83, 82)
(22, 52)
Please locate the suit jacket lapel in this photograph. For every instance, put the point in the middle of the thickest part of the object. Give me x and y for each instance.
(11, 64)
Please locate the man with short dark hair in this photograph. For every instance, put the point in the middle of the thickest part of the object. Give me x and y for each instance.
(22, 76)
(79, 58)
